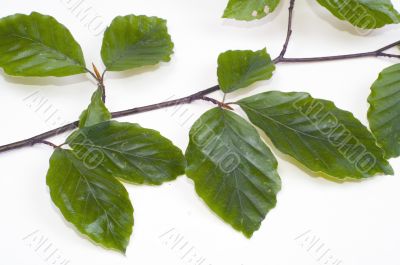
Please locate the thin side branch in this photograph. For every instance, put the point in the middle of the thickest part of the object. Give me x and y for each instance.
(46, 143)
(282, 59)
(91, 73)
(289, 31)
(71, 126)
(216, 102)
(377, 53)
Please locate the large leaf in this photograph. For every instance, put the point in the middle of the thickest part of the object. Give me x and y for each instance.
(233, 170)
(130, 152)
(366, 14)
(249, 9)
(38, 45)
(91, 199)
(135, 41)
(384, 112)
(239, 69)
(315, 132)
(96, 112)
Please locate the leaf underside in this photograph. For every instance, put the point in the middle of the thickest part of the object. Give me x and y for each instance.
(240, 69)
(233, 170)
(135, 41)
(316, 133)
(91, 199)
(249, 9)
(365, 14)
(129, 152)
(384, 111)
(38, 45)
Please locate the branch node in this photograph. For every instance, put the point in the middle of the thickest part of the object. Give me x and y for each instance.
(216, 102)
(45, 142)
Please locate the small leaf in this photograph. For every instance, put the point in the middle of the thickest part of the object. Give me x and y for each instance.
(317, 134)
(384, 111)
(91, 199)
(135, 41)
(96, 112)
(370, 14)
(239, 69)
(38, 45)
(130, 152)
(233, 170)
(249, 9)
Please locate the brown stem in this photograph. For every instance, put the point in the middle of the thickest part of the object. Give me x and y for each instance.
(377, 53)
(282, 59)
(41, 137)
(216, 102)
(91, 73)
(289, 31)
(46, 143)
(199, 95)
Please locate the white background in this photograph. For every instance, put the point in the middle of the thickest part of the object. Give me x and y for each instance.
(359, 223)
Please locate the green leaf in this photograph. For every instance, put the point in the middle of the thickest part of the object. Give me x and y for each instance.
(319, 135)
(239, 69)
(96, 112)
(384, 111)
(135, 41)
(233, 170)
(365, 14)
(130, 152)
(91, 199)
(38, 45)
(249, 9)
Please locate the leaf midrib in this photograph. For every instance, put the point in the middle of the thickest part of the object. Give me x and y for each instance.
(45, 46)
(127, 48)
(287, 126)
(108, 216)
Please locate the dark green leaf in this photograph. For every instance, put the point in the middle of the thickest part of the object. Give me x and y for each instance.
(37, 45)
(317, 134)
(239, 69)
(384, 112)
(233, 170)
(96, 112)
(249, 9)
(130, 152)
(365, 14)
(91, 199)
(135, 41)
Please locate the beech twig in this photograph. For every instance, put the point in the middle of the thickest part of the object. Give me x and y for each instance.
(199, 95)
(71, 126)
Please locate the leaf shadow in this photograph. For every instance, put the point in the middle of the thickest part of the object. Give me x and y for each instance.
(44, 81)
(342, 25)
(133, 72)
(246, 92)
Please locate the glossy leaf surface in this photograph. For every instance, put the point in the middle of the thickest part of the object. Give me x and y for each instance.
(384, 111)
(365, 14)
(96, 112)
(130, 152)
(91, 199)
(240, 69)
(316, 133)
(233, 170)
(38, 45)
(135, 41)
